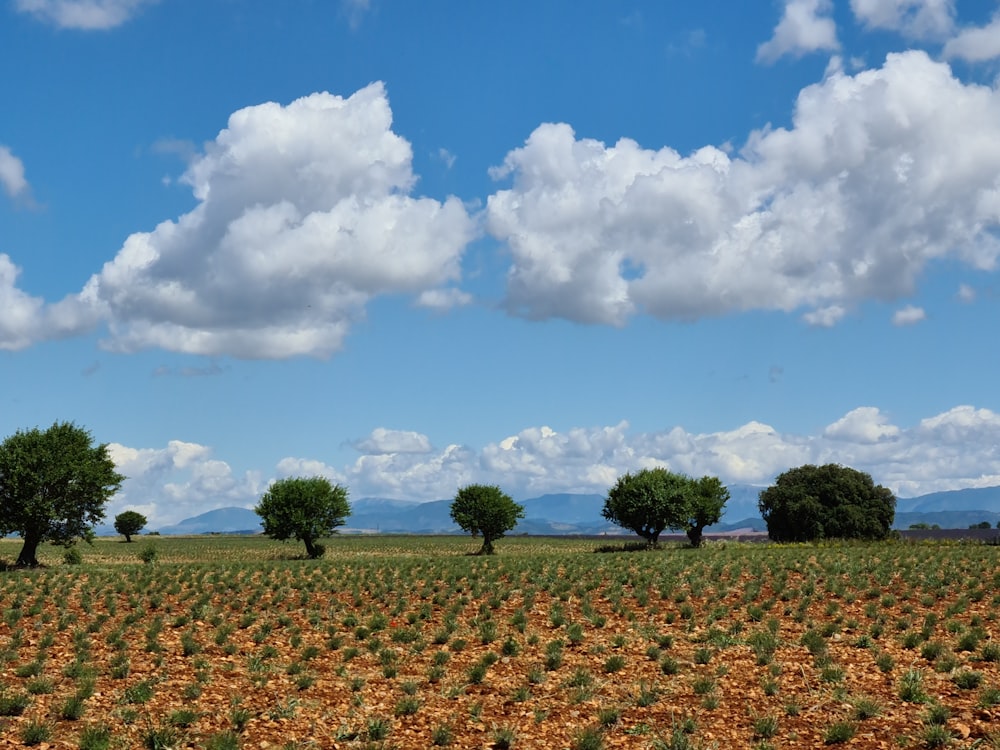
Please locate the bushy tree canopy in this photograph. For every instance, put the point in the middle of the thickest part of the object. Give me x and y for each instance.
(129, 522)
(487, 510)
(706, 502)
(54, 485)
(826, 502)
(652, 500)
(303, 508)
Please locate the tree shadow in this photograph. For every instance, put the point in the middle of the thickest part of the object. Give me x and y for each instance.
(626, 547)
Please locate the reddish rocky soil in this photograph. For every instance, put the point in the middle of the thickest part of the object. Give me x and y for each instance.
(730, 646)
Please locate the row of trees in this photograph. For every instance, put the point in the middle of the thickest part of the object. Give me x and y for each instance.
(806, 503)
(55, 483)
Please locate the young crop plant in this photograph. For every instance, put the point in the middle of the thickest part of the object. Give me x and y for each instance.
(864, 708)
(911, 687)
(839, 732)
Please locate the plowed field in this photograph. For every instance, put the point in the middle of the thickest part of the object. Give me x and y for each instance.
(411, 643)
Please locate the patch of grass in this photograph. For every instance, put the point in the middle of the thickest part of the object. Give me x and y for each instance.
(95, 737)
(35, 732)
(839, 732)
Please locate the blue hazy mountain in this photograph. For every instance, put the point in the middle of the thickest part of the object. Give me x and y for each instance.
(567, 513)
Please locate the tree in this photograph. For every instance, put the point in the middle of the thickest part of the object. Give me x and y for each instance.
(826, 502)
(303, 508)
(487, 510)
(649, 502)
(128, 523)
(54, 485)
(706, 501)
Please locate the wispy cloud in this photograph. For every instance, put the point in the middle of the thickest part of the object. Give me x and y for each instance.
(355, 11)
(12, 178)
(908, 316)
(83, 15)
(805, 26)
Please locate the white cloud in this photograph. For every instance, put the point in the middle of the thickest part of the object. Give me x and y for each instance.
(908, 316)
(382, 441)
(976, 44)
(865, 425)
(443, 299)
(304, 467)
(956, 449)
(446, 157)
(178, 481)
(966, 293)
(87, 15)
(805, 26)
(915, 19)
(825, 317)
(881, 173)
(12, 178)
(354, 11)
(27, 319)
(303, 216)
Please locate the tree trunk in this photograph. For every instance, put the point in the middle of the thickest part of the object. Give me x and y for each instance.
(27, 557)
(487, 548)
(128, 538)
(694, 536)
(310, 548)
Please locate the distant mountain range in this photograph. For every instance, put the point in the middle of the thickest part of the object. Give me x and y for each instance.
(561, 514)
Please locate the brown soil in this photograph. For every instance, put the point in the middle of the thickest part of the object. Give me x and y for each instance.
(668, 658)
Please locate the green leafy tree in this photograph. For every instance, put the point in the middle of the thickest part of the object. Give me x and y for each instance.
(54, 485)
(826, 502)
(128, 523)
(706, 501)
(303, 508)
(650, 501)
(487, 510)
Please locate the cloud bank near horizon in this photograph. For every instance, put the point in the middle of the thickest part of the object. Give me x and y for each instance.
(952, 450)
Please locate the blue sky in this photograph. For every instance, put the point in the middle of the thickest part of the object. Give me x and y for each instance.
(411, 246)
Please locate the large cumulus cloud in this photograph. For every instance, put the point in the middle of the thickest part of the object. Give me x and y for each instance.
(880, 174)
(304, 215)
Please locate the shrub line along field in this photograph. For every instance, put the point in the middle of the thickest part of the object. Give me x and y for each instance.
(409, 642)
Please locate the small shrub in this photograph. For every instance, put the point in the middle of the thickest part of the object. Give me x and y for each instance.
(765, 727)
(839, 732)
(967, 679)
(147, 553)
(608, 717)
(989, 697)
(911, 687)
(614, 663)
(13, 704)
(503, 738)
(95, 737)
(588, 739)
(225, 740)
(161, 738)
(72, 708)
(442, 735)
(937, 714)
(936, 735)
(407, 706)
(866, 708)
(377, 729)
(35, 733)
